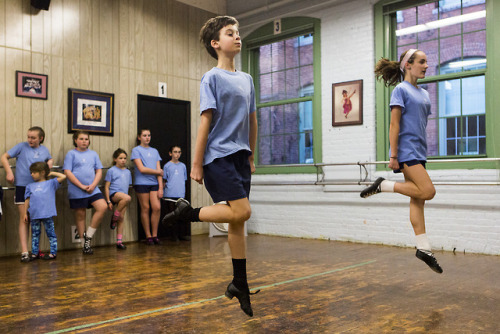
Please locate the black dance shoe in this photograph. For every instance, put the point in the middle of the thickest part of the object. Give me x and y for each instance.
(429, 259)
(121, 246)
(243, 298)
(182, 207)
(373, 189)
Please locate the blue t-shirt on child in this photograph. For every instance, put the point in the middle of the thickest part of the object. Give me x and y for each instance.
(25, 156)
(83, 165)
(119, 179)
(149, 157)
(42, 197)
(231, 95)
(415, 109)
(176, 176)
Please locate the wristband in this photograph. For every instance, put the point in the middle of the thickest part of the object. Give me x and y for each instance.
(394, 157)
(109, 202)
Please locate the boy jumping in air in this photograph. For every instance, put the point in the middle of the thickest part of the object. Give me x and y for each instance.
(224, 148)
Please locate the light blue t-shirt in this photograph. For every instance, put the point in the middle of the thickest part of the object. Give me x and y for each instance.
(176, 176)
(231, 95)
(25, 156)
(149, 157)
(83, 165)
(42, 197)
(119, 179)
(415, 109)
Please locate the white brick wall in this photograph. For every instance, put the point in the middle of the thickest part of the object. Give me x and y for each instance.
(465, 218)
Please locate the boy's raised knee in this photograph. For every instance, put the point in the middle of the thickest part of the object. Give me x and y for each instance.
(429, 193)
(243, 215)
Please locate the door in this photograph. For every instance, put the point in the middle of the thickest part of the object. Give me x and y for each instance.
(169, 121)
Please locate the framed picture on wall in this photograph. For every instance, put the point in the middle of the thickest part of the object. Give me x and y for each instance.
(31, 85)
(347, 103)
(90, 111)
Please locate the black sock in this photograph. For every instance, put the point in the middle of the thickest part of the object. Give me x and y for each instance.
(240, 274)
(194, 215)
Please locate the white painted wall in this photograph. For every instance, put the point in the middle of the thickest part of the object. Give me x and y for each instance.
(463, 217)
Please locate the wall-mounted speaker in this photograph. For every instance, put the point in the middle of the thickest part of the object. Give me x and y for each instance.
(41, 4)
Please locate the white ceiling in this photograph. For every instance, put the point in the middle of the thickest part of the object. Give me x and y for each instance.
(251, 13)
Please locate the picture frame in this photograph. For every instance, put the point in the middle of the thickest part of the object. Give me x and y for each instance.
(347, 103)
(91, 111)
(31, 85)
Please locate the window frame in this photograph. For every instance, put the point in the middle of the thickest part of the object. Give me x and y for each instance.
(290, 27)
(385, 47)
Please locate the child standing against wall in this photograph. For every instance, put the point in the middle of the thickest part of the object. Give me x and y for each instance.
(40, 199)
(83, 168)
(117, 181)
(26, 153)
(148, 184)
(175, 176)
(224, 148)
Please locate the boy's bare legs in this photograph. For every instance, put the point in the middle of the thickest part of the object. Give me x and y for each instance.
(235, 213)
(23, 228)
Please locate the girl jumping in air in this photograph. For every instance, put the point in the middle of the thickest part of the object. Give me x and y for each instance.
(410, 108)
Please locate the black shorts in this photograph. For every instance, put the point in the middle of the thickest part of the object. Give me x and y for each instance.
(409, 164)
(142, 189)
(19, 195)
(228, 178)
(78, 203)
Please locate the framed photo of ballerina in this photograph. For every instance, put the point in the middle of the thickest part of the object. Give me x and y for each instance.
(90, 111)
(347, 103)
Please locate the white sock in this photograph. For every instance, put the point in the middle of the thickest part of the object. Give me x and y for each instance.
(90, 232)
(423, 242)
(387, 186)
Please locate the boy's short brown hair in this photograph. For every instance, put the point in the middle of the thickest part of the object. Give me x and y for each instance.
(40, 166)
(211, 29)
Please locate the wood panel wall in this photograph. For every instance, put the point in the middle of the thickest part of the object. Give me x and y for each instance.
(123, 47)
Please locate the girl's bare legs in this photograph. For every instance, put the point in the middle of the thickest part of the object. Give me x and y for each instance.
(100, 208)
(144, 204)
(155, 212)
(80, 215)
(23, 228)
(417, 183)
(123, 201)
(418, 186)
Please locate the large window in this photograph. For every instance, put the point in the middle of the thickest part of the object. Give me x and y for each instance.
(286, 75)
(453, 34)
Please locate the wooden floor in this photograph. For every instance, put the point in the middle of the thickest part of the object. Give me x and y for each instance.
(307, 286)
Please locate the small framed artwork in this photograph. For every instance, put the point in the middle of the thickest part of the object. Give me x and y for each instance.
(31, 85)
(347, 103)
(90, 111)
